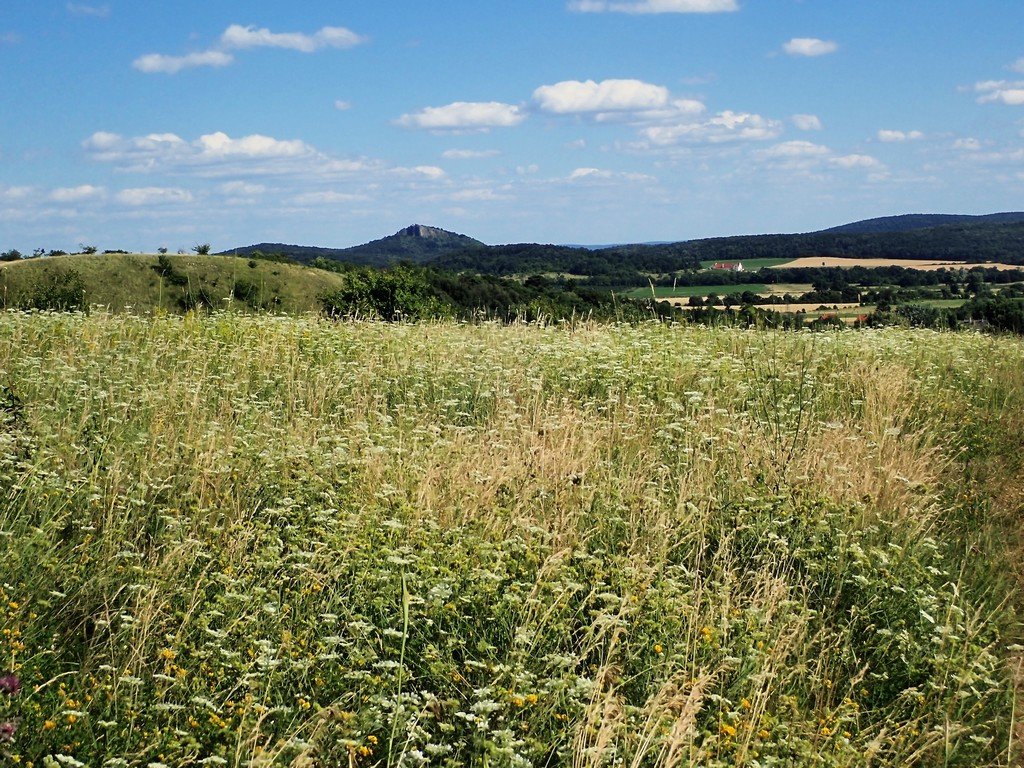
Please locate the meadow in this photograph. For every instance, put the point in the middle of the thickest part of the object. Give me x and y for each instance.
(252, 540)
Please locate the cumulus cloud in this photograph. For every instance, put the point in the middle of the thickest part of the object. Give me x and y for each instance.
(465, 115)
(596, 174)
(96, 11)
(220, 145)
(238, 37)
(855, 161)
(328, 197)
(807, 122)
(574, 96)
(476, 195)
(431, 172)
(1009, 92)
(342, 106)
(889, 136)
(723, 127)
(796, 149)
(240, 188)
(968, 144)
(77, 194)
(654, 6)
(170, 65)
(1018, 65)
(807, 157)
(153, 196)
(14, 193)
(810, 46)
(469, 154)
(217, 154)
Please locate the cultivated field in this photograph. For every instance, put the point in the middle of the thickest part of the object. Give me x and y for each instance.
(254, 541)
(839, 261)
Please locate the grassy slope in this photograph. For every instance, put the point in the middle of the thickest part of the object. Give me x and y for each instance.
(283, 541)
(118, 281)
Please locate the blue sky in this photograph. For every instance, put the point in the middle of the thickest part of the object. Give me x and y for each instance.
(139, 125)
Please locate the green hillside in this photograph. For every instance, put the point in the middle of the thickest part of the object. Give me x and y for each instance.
(119, 281)
(417, 244)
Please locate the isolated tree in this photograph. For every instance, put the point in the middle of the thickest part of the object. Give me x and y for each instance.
(11, 255)
(202, 249)
(87, 249)
(162, 250)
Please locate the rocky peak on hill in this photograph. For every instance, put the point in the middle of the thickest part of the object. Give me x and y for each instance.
(430, 233)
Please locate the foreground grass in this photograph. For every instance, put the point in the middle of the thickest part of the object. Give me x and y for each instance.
(270, 541)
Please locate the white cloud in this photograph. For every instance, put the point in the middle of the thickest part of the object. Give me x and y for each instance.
(675, 111)
(890, 137)
(807, 122)
(469, 154)
(586, 173)
(576, 144)
(242, 188)
(153, 196)
(102, 140)
(789, 149)
(654, 6)
(810, 46)
(220, 145)
(855, 161)
(723, 127)
(1009, 92)
(476, 195)
(329, 197)
(342, 106)
(463, 115)
(599, 174)
(15, 193)
(77, 194)
(574, 96)
(217, 154)
(968, 144)
(238, 37)
(158, 62)
(1018, 65)
(80, 9)
(1011, 96)
(431, 172)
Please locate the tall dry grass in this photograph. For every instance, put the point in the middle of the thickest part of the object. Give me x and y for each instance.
(622, 545)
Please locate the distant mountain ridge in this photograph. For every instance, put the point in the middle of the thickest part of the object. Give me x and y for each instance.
(912, 221)
(997, 237)
(416, 243)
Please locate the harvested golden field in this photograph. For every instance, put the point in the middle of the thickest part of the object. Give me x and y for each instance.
(838, 261)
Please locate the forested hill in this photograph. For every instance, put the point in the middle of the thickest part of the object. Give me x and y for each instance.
(912, 221)
(416, 244)
(973, 242)
(996, 238)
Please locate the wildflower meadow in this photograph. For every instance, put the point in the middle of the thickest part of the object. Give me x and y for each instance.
(256, 541)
